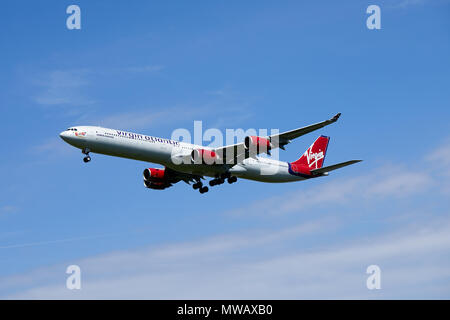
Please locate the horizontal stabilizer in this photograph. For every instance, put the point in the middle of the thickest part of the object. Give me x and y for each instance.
(333, 167)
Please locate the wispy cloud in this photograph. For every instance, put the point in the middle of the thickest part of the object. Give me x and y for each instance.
(439, 161)
(141, 119)
(440, 158)
(299, 261)
(63, 87)
(243, 267)
(143, 69)
(386, 182)
(68, 87)
(399, 184)
(42, 243)
(6, 209)
(381, 183)
(184, 113)
(51, 148)
(406, 3)
(401, 4)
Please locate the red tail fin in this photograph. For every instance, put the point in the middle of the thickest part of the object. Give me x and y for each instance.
(315, 155)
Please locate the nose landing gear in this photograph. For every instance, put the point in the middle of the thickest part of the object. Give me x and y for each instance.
(86, 152)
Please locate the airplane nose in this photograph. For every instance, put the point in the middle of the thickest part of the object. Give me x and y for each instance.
(63, 135)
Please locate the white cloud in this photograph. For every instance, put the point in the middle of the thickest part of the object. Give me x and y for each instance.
(308, 260)
(439, 162)
(6, 209)
(67, 87)
(407, 3)
(399, 184)
(402, 4)
(440, 158)
(144, 69)
(63, 87)
(383, 182)
(52, 146)
(414, 264)
(143, 119)
(184, 113)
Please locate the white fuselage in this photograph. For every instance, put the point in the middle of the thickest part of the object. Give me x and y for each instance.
(168, 153)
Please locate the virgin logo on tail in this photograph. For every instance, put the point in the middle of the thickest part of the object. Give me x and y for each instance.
(313, 158)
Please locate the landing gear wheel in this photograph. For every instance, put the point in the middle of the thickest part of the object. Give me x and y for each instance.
(232, 179)
(86, 152)
(197, 185)
(203, 190)
(216, 182)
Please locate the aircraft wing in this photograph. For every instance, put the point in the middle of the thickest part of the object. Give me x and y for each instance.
(233, 154)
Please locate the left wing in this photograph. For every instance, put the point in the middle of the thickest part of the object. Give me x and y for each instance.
(237, 153)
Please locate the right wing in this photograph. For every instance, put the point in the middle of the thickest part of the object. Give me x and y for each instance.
(236, 153)
(286, 137)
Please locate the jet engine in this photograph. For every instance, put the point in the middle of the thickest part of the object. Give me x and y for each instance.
(203, 156)
(155, 178)
(153, 174)
(257, 144)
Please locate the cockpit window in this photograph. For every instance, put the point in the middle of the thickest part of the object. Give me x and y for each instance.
(72, 129)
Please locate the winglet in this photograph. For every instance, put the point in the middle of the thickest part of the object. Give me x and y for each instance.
(336, 117)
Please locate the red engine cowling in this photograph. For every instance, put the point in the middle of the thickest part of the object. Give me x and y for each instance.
(200, 156)
(155, 185)
(156, 179)
(258, 144)
(154, 175)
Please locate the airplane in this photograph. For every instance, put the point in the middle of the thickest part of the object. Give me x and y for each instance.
(192, 163)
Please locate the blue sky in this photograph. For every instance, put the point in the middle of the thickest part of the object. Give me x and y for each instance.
(154, 67)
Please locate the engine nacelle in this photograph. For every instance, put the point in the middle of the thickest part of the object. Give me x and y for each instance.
(154, 175)
(155, 185)
(257, 144)
(155, 178)
(203, 156)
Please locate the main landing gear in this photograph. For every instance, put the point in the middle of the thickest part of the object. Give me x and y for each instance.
(232, 179)
(199, 185)
(86, 152)
(221, 179)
